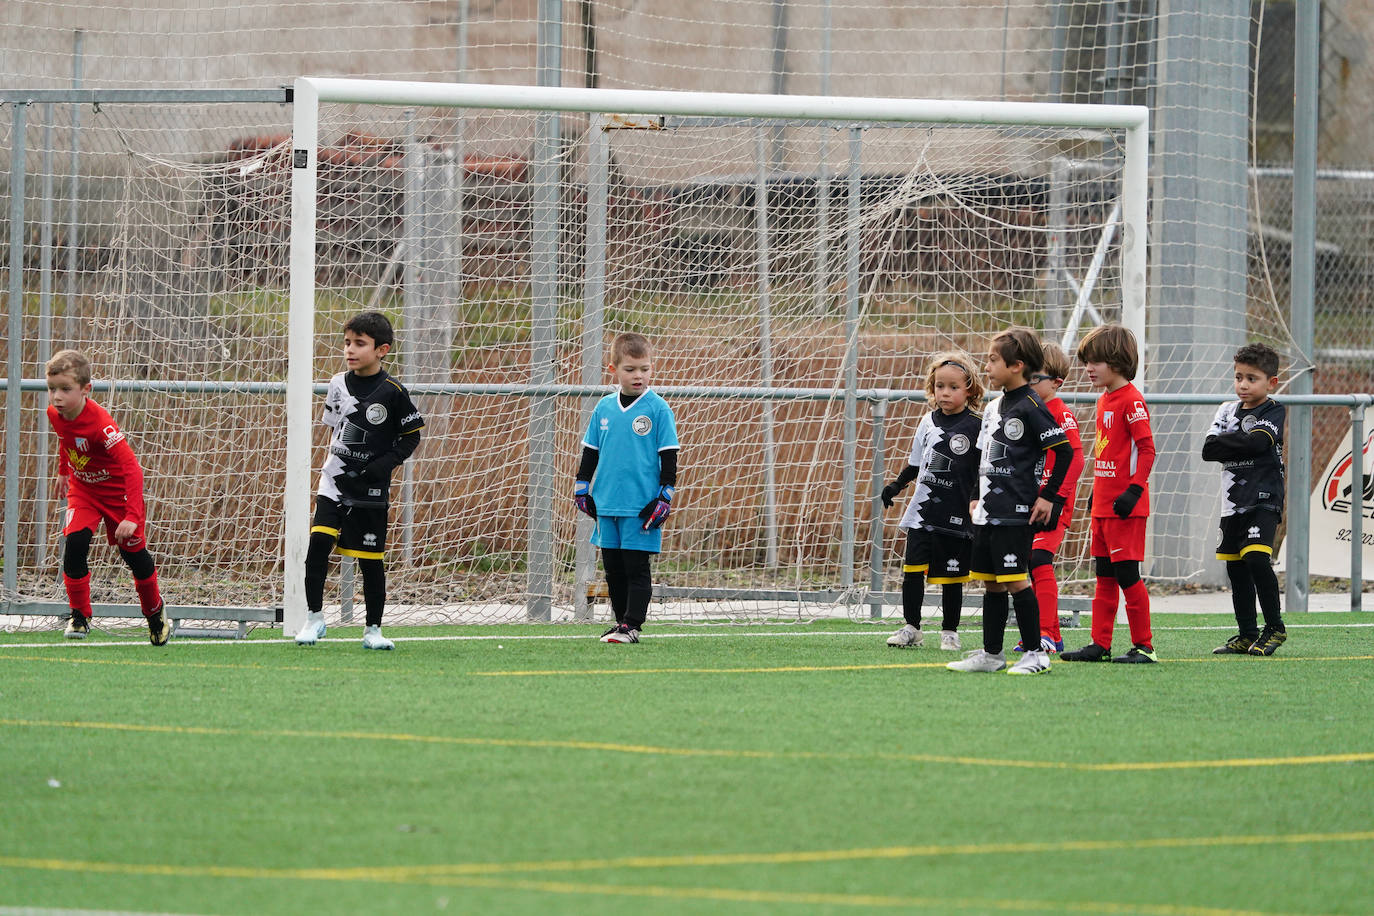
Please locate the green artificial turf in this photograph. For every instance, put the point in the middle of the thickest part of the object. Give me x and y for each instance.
(800, 769)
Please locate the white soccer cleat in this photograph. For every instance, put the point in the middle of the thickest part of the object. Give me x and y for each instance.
(908, 637)
(949, 641)
(1037, 662)
(373, 639)
(979, 660)
(313, 631)
(622, 634)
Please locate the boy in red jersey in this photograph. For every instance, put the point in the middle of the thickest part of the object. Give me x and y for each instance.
(101, 480)
(1124, 452)
(1046, 384)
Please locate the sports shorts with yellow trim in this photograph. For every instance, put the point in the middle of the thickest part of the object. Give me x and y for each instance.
(942, 556)
(1001, 553)
(1247, 532)
(360, 530)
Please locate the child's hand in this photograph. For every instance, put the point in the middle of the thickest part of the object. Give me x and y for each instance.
(124, 531)
(60, 485)
(656, 512)
(582, 498)
(1047, 520)
(1124, 504)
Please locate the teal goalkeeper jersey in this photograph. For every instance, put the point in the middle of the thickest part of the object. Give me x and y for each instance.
(627, 441)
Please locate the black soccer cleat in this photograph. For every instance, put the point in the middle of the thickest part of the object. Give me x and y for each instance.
(1237, 645)
(1137, 655)
(159, 627)
(78, 627)
(1092, 652)
(1269, 641)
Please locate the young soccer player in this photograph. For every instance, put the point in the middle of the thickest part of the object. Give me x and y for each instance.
(1124, 452)
(1247, 439)
(944, 464)
(1046, 384)
(626, 480)
(1013, 499)
(374, 428)
(99, 476)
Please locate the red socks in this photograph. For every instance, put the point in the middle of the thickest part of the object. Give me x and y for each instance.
(1138, 614)
(149, 598)
(78, 593)
(1106, 594)
(1047, 594)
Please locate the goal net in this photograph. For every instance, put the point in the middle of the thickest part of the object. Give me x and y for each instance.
(794, 260)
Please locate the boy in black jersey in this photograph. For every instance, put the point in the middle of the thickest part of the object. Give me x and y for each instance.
(375, 428)
(1013, 502)
(944, 464)
(1246, 438)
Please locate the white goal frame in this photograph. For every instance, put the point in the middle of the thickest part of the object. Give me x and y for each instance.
(310, 92)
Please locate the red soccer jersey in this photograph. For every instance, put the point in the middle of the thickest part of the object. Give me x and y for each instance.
(1124, 451)
(1069, 423)
(101, 466)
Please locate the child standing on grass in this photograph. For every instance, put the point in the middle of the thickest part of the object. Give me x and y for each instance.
(374, 428)
(625, 481)
(1246, 438)
(944, 464)
(1046, 384)
(1016, 433)
(1124, 452)
(99, 476)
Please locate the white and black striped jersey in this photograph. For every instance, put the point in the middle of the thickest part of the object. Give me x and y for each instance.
(1248, 443)
(369, 416)
(1017, 431)
(946, 451)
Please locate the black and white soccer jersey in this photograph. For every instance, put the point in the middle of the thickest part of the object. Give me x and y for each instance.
(1248, 442)
(368, 416)
(946, 451)
(1017, 431)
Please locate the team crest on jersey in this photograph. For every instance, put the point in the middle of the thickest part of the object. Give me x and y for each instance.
(641, 425)
(1107, 419)
(959, 444)
(376, 414)
(82, 445)
(1248, 424)
(1015, 429)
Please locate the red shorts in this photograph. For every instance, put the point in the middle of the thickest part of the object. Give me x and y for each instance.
(1049, 541)
(85, 513)
(1118, 538)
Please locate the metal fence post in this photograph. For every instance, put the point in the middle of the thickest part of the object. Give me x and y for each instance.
(1357, 479)
(14, 392)
(763, 267)
(851, 356)
(875, 560)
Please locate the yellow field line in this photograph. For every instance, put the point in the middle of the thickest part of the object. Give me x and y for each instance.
(726, 753)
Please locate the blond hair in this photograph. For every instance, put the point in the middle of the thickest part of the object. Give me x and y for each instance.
(630, 345)
(1057, 363)
(70, 362)
(963, 361)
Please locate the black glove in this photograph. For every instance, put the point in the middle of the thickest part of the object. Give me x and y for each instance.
(1124, 504)
(582, 498)
(890, 493)
(656, 512)
(357, 489)
(1051, 523)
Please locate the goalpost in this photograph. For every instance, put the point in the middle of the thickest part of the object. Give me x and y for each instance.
(721, 216)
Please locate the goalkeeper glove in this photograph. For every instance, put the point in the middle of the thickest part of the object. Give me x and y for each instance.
(582, 498)
(890, 493)
(1124, 504)
(658, 508)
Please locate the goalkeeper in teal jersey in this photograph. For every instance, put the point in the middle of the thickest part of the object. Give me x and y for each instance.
(625, 481)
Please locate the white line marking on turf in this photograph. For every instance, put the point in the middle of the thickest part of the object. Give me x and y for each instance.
(875, 630)
(43, 911)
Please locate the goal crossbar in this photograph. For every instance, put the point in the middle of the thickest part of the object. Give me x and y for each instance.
(311, 92)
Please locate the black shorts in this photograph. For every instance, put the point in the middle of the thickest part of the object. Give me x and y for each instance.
(943, 557)
(1247, 532)
(1001, 553)
(360, 530)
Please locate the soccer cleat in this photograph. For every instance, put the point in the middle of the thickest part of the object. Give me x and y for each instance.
(1237, 645)
(608, 631)
(622, 634)
(979, 660)
(159, 627)
(1269, 641)
(949, 641)
(1052, 646)
(1092, 652)
(313, 631)
(78, 626)
(908, 637)
(1138, 655)
(1034, 662)
(373, 639)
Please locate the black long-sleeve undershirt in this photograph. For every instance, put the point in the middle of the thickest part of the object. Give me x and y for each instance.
(1063, 454)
